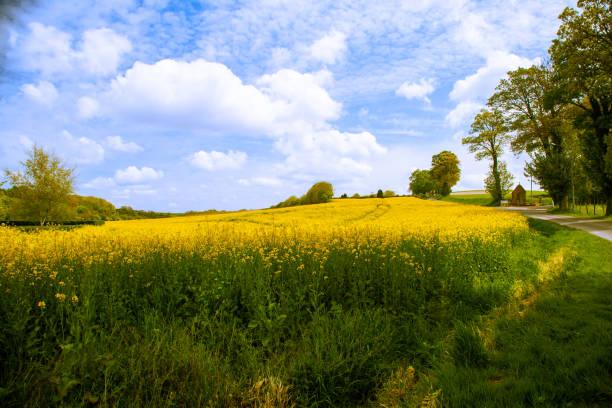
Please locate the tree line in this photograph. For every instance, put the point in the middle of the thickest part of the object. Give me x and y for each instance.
(558, 112)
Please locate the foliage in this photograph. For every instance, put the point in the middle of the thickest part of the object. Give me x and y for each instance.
(421, 183)
(445, 172)
(489, 135)
(500, 184)
(389, 193)
(379, 194)
(43, 189)
(582, 54)
(320, 192)
(541, 122)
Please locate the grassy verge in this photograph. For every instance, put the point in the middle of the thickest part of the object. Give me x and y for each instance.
(582, 211)
(487, 200)
(550, 346)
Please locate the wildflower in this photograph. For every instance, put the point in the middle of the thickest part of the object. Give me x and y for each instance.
(75, 299)
(41, 304)
(60, 296)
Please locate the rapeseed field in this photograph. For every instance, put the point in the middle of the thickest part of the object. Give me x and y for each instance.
(301, 306)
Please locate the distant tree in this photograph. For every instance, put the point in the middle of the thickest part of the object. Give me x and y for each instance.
(421, 183)
(489, 135)
(320, 192)
(379, 194)
(445, 172)
(582, 54)
(356, 195)
(499, 183)
(389, 193)
(43, 189)
(344, 195)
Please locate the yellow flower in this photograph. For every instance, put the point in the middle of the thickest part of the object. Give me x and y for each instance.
(60, 296)
(75, 299)
(41, 304)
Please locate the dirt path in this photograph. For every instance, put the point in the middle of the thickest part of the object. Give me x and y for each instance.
(600, 228)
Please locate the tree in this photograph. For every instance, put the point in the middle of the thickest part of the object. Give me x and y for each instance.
(43, 189)
(389, 193)
(320, 192)
(582, 53)
(421, 183)
(490, 134)
(540, 122)
(379, 194)
(445, 172)
(499, 182)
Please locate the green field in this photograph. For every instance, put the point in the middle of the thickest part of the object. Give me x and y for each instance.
(539, 197)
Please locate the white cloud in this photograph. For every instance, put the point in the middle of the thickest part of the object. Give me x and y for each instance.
(189, 94)
(81, 150)
(101, 51)
(117, 143)
(88, 107)
(473, 90)
(100, 183)
(217, 160)
(483, 82)
(463, 113)
(50, 51)
(292, 108)
(299, 97)
(45, 93)
(418, 90)
(329, 48)
(134, 175)
(267, 181)
(26, 142)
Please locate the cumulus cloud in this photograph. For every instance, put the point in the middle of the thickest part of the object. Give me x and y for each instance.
(299, 97)
(266, 181)
(330, 48)
(482, 83)
(50, 51)
(117, 143)
(414, 90)
(81, 150)
(471, 91)
(217, 160)
(463, 113)
(189, 94)
(134, 175)
(88, 107)
(100, 183)
(43, 93)
(292, 108)
(101, 51)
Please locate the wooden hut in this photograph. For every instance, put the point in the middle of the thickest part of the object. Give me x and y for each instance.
(519, 196)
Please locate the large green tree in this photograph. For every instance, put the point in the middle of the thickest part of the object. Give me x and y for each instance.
(489, 136)
(43, 188)
(582, 54)
(445, 171)
(540, 122)
(320, 192)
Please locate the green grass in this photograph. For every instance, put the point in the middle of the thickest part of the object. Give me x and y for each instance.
(487, 199)
(551, 347)
(583, 211)
(523, 323)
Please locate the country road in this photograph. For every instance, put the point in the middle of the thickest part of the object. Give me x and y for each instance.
(600, 228)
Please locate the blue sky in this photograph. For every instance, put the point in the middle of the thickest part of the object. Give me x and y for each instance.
(187, 105)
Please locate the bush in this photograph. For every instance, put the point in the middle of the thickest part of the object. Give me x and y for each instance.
(320, 192)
